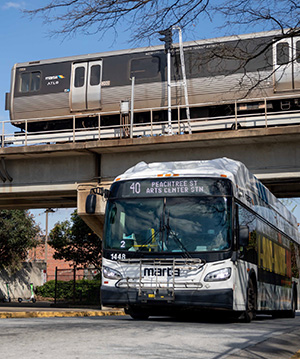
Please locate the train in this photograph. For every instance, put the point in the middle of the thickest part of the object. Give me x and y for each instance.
(225, 76)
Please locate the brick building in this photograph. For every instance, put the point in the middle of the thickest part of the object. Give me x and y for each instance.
(38, 255)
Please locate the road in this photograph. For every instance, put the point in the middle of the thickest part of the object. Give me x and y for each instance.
(123, 338)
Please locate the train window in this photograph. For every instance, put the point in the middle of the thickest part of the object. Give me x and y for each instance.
(79, 76)
(35, 83)
(30, 81)
(298, 51)
(95, 75)
(145, 67)
(283, 53)
(25, 82)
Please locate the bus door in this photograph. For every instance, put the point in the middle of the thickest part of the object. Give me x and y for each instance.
(86, 86)
(286, 64)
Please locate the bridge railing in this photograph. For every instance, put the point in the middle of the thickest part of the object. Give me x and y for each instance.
(263, 117)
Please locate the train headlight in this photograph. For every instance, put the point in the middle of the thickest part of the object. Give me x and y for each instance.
(111, 273)
(218, 275)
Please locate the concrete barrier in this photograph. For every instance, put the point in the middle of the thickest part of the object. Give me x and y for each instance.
(19, 281)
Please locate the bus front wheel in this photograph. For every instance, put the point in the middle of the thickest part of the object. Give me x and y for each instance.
(251, 306)
(137, 313)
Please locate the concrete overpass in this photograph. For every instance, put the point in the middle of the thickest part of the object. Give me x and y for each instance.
(49, 175)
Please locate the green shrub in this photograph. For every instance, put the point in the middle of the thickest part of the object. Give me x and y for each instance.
(87, 291)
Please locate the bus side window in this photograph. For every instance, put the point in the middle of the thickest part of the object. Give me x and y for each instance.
(246, 218)
(249, 220)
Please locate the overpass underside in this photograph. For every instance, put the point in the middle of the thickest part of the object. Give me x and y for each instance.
(49, 175)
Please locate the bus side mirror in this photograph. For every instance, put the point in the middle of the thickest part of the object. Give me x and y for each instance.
(90, 203)
(243, 236)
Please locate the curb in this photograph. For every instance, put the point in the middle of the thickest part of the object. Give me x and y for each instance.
(49, 314)
(296, 355)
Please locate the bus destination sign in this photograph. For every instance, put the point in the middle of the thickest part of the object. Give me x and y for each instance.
(170, 187)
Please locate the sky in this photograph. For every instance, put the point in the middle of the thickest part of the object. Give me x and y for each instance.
(24, 39)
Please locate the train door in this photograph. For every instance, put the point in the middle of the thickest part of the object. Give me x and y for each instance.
(287, 64)
(86, 86)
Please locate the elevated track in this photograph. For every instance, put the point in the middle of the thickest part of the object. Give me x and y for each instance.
(48, 175)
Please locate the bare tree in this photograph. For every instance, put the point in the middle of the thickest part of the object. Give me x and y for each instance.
(267, 15)
(143, 18)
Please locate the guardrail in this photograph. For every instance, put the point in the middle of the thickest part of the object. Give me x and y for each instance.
(236, 121)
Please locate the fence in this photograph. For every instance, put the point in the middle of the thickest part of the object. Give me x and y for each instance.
(77, 286)
(262, 115)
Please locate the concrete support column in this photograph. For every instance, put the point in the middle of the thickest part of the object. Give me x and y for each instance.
(94, 221)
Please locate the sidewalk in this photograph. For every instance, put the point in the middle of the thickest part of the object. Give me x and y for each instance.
(46, 310)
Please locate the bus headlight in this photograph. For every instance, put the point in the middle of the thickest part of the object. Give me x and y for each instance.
(218, 275)
(111, 273)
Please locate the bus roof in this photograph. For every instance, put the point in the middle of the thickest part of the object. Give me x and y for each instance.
(245, 185)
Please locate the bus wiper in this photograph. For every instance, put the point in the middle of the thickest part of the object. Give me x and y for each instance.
(175, 237)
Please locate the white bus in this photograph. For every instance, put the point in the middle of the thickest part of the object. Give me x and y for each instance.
(197, 235)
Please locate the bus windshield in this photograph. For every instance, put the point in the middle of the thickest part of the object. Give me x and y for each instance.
(169, 224)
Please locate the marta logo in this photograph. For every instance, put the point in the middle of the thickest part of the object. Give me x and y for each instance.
(55, 77)
(161, 272)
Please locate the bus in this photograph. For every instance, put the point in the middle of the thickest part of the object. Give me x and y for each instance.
(197, 235)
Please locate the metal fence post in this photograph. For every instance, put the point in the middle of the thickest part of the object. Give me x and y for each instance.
(2, 142)
(26, 129)
(74, 284)
(266, 113)
(74, 125)
(55, 288)
(235, 115)
(99, 126)
(132, 106)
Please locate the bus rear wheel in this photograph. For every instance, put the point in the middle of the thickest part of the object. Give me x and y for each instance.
(292, 313)
(287, 313)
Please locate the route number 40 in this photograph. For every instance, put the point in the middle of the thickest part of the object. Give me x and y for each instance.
(135, 187)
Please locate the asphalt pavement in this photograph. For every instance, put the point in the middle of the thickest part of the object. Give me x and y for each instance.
(43, 309)
(47, 309)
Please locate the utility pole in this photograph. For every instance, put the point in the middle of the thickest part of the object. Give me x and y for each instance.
(167, 39)
(47, 211)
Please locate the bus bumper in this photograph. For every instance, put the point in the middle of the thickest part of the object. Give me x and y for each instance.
(213, 299)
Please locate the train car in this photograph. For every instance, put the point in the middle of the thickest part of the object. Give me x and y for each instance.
(219, 73)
